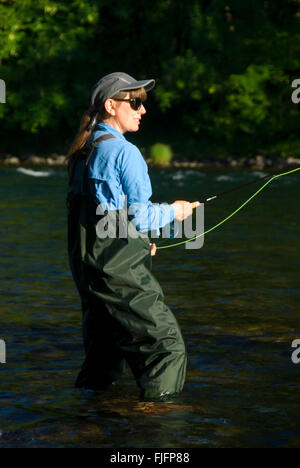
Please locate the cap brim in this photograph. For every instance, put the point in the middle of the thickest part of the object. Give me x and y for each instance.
(147, 84)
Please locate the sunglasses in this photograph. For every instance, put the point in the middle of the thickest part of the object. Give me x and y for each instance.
(135, 103)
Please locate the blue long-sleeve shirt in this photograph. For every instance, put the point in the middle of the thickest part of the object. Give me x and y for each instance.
(118, 174)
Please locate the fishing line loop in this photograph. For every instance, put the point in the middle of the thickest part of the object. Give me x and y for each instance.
(232, 214)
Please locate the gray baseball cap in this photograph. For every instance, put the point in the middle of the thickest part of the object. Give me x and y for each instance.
(111, 84)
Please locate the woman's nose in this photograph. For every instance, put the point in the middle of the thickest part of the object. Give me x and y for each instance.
(142, 110)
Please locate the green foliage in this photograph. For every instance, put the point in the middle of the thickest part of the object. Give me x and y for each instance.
(40, 40)
(246, 104)
(285, 149)
(223, 75)
(161, 154)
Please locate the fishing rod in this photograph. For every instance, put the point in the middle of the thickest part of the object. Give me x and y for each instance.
(197, 203)
(232, 190)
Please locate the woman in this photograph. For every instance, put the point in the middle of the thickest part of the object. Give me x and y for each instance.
(124, 315)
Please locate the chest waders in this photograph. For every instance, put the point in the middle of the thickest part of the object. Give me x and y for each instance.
(124, 314)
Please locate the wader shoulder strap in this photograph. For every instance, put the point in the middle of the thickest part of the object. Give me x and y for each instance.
(95, 143)
(84, 186)
(84, 154)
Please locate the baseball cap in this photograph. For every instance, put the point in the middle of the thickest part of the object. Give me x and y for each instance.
(111, 84)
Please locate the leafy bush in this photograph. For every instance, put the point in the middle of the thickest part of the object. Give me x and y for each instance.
(161, 154)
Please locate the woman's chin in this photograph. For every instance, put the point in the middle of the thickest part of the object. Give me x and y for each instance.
(134, 129)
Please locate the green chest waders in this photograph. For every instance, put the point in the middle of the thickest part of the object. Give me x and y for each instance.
(124, 314)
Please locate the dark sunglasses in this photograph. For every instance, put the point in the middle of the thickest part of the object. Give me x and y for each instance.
(135, 103)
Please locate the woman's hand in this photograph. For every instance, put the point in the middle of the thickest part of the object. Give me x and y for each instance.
(182, 209)
(153, 249)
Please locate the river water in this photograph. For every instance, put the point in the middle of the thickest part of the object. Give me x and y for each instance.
(236, 300)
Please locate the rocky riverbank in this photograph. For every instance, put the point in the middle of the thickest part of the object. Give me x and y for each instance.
(33, 160)
(258, 162)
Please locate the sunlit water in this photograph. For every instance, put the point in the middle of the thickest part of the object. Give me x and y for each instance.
(236, 300)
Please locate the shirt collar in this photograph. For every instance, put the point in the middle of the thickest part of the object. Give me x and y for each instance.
(104, 129)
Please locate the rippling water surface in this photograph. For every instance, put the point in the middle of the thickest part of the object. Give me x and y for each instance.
(236, 300)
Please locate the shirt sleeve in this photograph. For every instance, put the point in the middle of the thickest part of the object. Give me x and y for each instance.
(136, 185)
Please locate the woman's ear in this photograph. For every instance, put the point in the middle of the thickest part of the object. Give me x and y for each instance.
(109, 106)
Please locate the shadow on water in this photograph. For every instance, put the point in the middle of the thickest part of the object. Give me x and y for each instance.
(236, 299)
